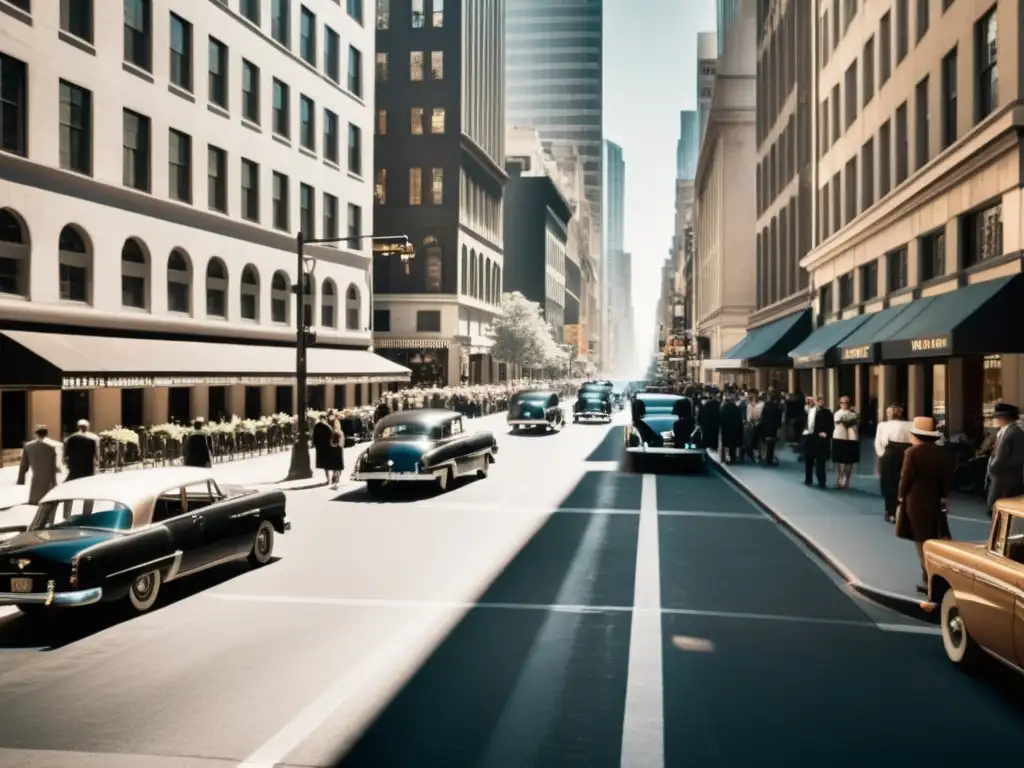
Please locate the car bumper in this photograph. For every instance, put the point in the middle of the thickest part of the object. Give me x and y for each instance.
(641, 451)
(591, 415)
(55, 599)
(395, 477)
(529, 422)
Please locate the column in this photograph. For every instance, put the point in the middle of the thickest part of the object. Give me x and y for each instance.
(199, 402)
(44, 409)
(915, 390)
(329, 396)
(155, 402)
(268, 400)
(858, 390)
(955, 392)
(236, 400)
(105, 408)
(886, 389)
(791, 380)
(831, 387)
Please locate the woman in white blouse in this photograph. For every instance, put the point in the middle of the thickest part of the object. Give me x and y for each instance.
(845, 442)
(891, 441)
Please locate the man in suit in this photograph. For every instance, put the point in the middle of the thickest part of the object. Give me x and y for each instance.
(771, 423)
(198, 449)
(81, 452)
(818, 434)
(1006, 467)
(40, 456)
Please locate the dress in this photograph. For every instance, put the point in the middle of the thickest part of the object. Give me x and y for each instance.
(845, 440)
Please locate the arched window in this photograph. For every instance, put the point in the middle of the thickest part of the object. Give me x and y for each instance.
(280, 297)
(308, 300)
(75, 266)
(472, 273)
(179, 282)
(480, 276)
(329, 305)
(497, 284)
(464, 272)
(216, 288)
(352, 308)
(14, 254)
(487, 282)
(134, 275)
(250, 293)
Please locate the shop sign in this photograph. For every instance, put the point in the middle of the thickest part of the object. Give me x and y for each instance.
(935, 344)
(862, 352)
(817, 357)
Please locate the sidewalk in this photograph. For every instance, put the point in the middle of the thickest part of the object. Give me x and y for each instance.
(847, 528)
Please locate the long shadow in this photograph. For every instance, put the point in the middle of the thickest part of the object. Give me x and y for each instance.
(519, 682)
(611, 446)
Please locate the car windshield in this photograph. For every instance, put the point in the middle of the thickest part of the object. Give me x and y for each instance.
(410, 430)
(534, 398)
(83, 513)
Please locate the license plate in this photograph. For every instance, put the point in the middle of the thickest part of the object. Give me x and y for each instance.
(21, 585)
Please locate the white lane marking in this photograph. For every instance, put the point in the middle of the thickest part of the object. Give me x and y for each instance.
(980, 521)
(910, 629)
(722, 515)
(643, 726)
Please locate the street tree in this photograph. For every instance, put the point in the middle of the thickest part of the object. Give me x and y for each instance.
(519, 332)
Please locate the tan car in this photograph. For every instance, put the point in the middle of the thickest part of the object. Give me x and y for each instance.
(978, 590)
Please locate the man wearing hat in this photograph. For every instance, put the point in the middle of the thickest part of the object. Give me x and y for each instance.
(81, 452)
(40, 457)
(1006, 467)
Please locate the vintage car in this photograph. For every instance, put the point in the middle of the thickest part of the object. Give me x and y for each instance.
(429, 445)
(121, 536)
(651, 433)
(535, 409)
(978, 590)
(594, 402)
(357, 427)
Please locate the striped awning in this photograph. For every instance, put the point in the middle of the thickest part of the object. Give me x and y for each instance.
(411, 343)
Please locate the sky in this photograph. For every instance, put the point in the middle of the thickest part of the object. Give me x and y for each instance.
(650, 74)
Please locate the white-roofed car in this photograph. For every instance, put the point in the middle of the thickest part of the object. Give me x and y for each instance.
(653, 433)
(121, 536)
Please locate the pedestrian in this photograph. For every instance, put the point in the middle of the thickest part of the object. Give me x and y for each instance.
(771, 423)
(382, 410)
(81, 452)
(327, 442)
(731, 421)
(892, 439)
(40, 457)
(752, 427)
(845, 442)
(1005, 476)
(818, 436)
(926, 481)
(198, 450)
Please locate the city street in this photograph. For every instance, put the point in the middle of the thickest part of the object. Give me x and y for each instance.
(557, 613)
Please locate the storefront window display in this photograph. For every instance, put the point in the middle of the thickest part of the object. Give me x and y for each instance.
(428, 366)
(992, 388)
(938, 396)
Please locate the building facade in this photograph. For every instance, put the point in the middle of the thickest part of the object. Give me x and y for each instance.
(616, 300)
(157, 164)
(688, 144)
(439, 178)
(707, 62)
(917, 261)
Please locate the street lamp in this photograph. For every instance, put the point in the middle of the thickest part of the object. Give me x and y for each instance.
(301, 467)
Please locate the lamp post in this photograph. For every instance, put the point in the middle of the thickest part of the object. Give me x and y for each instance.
(301, 467)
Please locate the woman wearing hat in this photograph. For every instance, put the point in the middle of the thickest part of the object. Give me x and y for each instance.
(1006, 467)
(925, 484)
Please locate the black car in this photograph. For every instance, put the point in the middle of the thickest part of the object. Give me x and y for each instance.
(594, 402)
(653, 431)
(428, 445)
(535, 409)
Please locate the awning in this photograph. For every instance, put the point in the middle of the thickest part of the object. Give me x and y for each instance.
(819, 349)
(69, 361)
(978, 319)
(864, 345)
(724, 365)
(768, 345)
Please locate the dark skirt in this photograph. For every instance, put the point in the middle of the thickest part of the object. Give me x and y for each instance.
(330, 458)
(845, 451)
(889, 468)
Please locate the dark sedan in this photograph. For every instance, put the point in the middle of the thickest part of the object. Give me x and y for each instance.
(663, 427)
(535, 409)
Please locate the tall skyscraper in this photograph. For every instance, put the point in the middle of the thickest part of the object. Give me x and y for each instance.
(707, 60)
(553, 67)
(616, 297)
(688, 146)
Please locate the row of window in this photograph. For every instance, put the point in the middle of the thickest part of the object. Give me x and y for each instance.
(427, 320)
(417, 121)
(417, 13)
(777, 67)
(481, 277)
(417, 66)
(415, 186)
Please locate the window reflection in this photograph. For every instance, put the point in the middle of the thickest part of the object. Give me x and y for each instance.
(991, 387)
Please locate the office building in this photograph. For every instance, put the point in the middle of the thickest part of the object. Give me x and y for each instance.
(688, 145)
(616, 299)
(707, 61)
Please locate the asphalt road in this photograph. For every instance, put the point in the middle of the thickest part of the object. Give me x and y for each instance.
(558, 613)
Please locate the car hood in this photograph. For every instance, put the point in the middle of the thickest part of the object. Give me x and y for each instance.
(404, 453)
(56, 544)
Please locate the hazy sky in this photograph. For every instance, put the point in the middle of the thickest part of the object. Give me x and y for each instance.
(650, 74)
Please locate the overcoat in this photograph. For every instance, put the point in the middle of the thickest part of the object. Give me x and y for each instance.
(925, 480)
(328, 457)
(1006, 469)
(41, 457)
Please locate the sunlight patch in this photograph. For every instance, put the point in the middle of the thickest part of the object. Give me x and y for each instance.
(693, 644)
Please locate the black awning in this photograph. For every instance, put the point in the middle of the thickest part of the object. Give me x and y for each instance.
(768, 345)
(819, 349)
(864, 345)
(978, 319)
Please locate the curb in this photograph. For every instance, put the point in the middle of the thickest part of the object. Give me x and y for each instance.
(908, 606)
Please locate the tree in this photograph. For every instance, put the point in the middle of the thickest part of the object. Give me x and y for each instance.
(519, 332)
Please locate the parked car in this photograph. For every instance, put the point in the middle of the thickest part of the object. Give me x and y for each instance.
(122, 536)
(535, 409)
(428, 445)
(651, 433)
(357, 427)
(978, 589)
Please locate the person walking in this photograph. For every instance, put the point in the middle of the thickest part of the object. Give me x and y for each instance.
(771, 423)
(40, 457)
(325, 435)
(845, 442)
(731, 421)
(1005, 476)
(81, 452)
(198, 449)
(817, 438)
(892, 439)
(926, 481)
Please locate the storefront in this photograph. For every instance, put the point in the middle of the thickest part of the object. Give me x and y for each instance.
(819, 354)
(427, 361)
(763, 354)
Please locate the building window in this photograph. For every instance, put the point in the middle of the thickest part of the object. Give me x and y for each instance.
(181, 53)
(138, 33)
(381, 68)
(307, 211)
(280, 22)
(13, 105)
(896, 270)
(383, 14)
(837, 124)
(280, 202)
(437, 9)
(134, 271)
(355, 72)
(884, 159)
(416, 121)
(217, 179)
(216, 289)
(923, 19)
(949, 88)
(986, 43)
(179, 282)
(355, 150)
(354, 8)
(307, 123)
(868, 77)
(76, 18)
(75, 260)
(418, 16)
(382, 122)
(437, 65)
(250, 293)
(416, 66)
(331, 142)
(921, 124)
(135, 151)
(846, 290)
(415, 186)
(382, 320)
(428, 321)
(902, 148)
(330, 216)
(850, 86)
(825, 307)
(437, 186)
(328, 298)
(75, 128)
(218, 73)
(983, 235)
(332, 55)
(280, 297)
(250, 190)
(14, 255)
(869, 281)
(902, 30)
(851, 190)
(179, 159)
(932, 255)
(250, 10)
(437, 120)
(307, 35)
(355, 227)
(867, 175)
(282, 97)
(885, 49)
(380, 187)
(250, 92)
(352, 309)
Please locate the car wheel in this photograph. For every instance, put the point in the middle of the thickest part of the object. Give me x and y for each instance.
(144, 591)
(960, 646)
(375, 487)
(263, 545)
(444, 482)
(485, 470)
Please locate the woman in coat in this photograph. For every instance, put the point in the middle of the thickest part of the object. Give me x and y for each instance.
(892, 439)
(328, 455)
(845, 442)
(925, 484)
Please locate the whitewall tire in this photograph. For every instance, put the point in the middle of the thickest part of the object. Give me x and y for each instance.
(444, 481)
(960, 646)
(144, 591)
(263, 545)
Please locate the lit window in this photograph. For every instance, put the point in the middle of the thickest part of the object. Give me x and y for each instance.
(415, 186)
(416, 65)
(438, 14)
(382, 67)
(382, 122)
(416, 121)
(417, 14)
(437, 65)
(380, 187)
(437, 186)
(437, 120)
